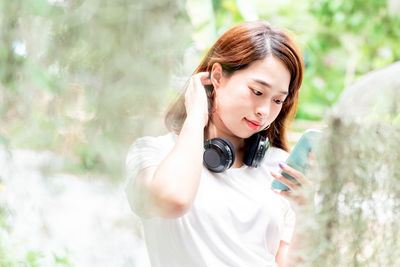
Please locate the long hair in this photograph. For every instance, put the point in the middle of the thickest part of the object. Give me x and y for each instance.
(236, 49)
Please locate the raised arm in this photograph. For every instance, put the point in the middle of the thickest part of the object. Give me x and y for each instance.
(169, 189)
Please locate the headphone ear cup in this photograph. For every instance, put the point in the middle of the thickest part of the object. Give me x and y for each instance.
(256, 146)
(219, 154)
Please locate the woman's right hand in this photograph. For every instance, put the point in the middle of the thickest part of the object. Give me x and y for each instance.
(196, 102)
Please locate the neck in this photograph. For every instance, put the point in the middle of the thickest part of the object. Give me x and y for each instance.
(216, 128)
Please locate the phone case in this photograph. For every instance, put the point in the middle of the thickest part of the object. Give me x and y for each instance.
(298, 158)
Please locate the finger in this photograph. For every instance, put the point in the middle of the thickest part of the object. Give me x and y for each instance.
(198, 79)
(203, 77)
(189, 87)
(312, 162)
(311, 155)
(300, 200)
(286, 181)
(299, 176)
(294, 173)
(286, 194)
(201, 74)
(206, 79)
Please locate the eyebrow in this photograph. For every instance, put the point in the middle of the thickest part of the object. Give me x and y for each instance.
(264, 83)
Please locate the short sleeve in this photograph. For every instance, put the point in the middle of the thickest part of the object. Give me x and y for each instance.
(143, 153)
(289, 221)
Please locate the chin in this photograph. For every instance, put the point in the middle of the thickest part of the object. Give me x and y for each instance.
(244, 134)
(241, 132)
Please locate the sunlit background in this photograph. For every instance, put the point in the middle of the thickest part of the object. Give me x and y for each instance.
(81, 80)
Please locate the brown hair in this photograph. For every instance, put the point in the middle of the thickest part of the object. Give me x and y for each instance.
(236, 49)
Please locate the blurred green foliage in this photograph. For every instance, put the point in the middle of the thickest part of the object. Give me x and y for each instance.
(350, 39)
(85, 78)
(341, 40)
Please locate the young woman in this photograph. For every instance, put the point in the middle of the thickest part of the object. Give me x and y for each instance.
(200, 204)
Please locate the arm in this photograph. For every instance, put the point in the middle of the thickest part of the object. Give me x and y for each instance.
(168, 190)
(287, 255)
(282, 253)
(172, 186)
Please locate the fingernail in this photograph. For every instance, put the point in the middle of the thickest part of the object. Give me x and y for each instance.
(282, 165)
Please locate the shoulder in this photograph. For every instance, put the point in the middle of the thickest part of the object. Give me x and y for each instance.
(155, 140)
(277, 152)
(161, 142)
(149, 150)
(274, 155)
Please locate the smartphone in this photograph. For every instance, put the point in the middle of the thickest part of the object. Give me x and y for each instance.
(299, 157)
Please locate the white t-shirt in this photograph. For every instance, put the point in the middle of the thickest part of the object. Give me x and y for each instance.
(235, 220)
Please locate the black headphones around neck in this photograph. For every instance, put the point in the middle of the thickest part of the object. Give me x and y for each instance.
(219, 153)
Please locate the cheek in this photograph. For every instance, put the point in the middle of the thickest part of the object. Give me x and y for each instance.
(226, 107)
(232, 101)
(226, 101)
(230, 110)
(275, 111)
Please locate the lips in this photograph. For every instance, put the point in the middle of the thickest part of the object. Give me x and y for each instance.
(253, 124)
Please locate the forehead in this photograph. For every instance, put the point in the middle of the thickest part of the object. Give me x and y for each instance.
(271, 70)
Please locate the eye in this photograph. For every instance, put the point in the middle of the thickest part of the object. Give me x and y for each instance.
(256, 92)
(279, 102)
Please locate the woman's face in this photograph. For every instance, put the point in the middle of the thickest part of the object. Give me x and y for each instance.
(251, 99)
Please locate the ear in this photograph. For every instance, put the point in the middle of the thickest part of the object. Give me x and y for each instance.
(216, 75)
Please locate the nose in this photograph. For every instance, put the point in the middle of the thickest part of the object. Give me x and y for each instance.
(263, 110)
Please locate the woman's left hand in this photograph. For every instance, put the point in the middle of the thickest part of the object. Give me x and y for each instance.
(296, 192)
